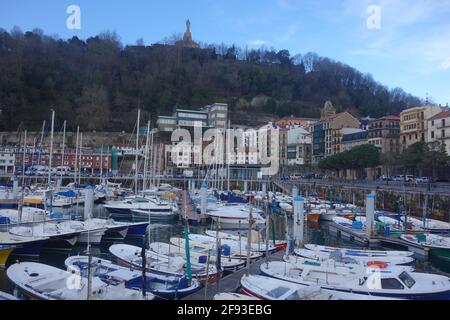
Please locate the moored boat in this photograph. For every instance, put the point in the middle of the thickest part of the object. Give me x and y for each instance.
(439, 246)
(5, 252)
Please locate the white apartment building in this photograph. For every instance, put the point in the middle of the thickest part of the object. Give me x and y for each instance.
(439, 129)
(7, 161)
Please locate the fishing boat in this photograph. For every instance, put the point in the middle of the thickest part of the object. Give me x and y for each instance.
(269, 288)
(161, 286)
(400, 285)
(235, 216)
(5, 252)
(339, 255)
(43, 282)
(6, 296)
(279, 244)
(159, 263)
(228, 296)
(199, 254)
(233, 253)
(434, 226)
(439, 246)
(349, 263)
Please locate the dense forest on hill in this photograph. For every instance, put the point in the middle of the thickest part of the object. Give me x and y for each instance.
(98, 83)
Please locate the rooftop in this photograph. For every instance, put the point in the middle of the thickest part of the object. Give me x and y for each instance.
(442, 115)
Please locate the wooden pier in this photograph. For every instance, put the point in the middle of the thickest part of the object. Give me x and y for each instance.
(232, 282)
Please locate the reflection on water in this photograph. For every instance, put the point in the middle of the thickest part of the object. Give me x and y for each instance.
(315, 233)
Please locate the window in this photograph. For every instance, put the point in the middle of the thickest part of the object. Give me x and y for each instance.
(407, 279)
(391, 283)
(443, 134)
(432, 134)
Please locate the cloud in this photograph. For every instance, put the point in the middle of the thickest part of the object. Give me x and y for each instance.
(257, 43)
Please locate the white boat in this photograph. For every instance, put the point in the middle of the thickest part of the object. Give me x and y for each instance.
(59, 235)
(159, 263)
(235, 216)
(279, 244)
(155, 216)
(88, 233)
(400, 285)
(6, 296)
(115, 230)
(158, 285)
(434, 226)
(439, 246)
(234, 253)
(29, 246)
(233, 244)
(338, 255)
(228, 296)
(43, 282)
(198, 254)
(351, 264)
(268, 288)
(359, 252)
(150, 204)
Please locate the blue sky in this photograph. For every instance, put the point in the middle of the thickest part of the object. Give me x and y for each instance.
(411, 50)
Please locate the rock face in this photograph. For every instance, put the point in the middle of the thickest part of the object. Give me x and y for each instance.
(187, 38)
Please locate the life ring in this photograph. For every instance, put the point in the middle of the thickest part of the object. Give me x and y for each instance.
(377, 264)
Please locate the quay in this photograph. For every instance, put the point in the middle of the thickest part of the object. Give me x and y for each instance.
(232, 282)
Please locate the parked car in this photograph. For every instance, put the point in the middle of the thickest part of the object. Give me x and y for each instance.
(423, 180)
(385, 178)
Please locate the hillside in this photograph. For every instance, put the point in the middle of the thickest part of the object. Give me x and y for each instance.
(99, 84)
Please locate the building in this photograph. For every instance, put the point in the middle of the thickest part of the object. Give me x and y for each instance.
(293, 122)
(217, 115)
(353, 137)
(7, 161)
(337, 123)
(299, 147)
(414, 124)
(384, 133)
(439, 129)
(365, 122)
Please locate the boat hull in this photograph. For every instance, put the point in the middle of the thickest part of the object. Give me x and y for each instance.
(118, 233)
(5, 252)
(137, 230)
(93, 237)
(32, 249)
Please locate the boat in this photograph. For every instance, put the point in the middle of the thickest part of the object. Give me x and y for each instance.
(228, 296)
(29, 246)
(399, 285)
(359, 252)
(43, 282)
(5, 252)
(161, 286)
(60, 237)
(88, 232)
(439, 246)
(269, 288)
(114, 230)
(6, 296)
(279, 244)
(313, 215)
(234, 253)
(124, 209)
(434, 226)
(339, 255)
(349, 263)
(199, 254)
(235, 216)
(155, 216)
(159, 263)
(236, 245)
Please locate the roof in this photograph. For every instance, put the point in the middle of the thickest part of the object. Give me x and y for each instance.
(442, 115)
(391, 118)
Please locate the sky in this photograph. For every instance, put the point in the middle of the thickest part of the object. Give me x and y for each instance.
(401, 43)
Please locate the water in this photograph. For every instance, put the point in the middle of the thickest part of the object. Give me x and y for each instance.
(317, 234)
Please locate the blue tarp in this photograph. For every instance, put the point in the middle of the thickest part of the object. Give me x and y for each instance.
(69, 193)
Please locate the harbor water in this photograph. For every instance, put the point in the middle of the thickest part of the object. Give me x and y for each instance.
(315, 234)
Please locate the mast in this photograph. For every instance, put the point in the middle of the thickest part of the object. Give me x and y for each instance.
(40, 146)
(144, 183)
(249, 237)
(80, 158)
(229, 152)
(63, 146)
(49, 181)
(137, 156)
(101, 165)
(23, 178)
(76, 156)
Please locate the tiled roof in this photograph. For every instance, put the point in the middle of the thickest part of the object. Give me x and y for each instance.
(443, 114)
